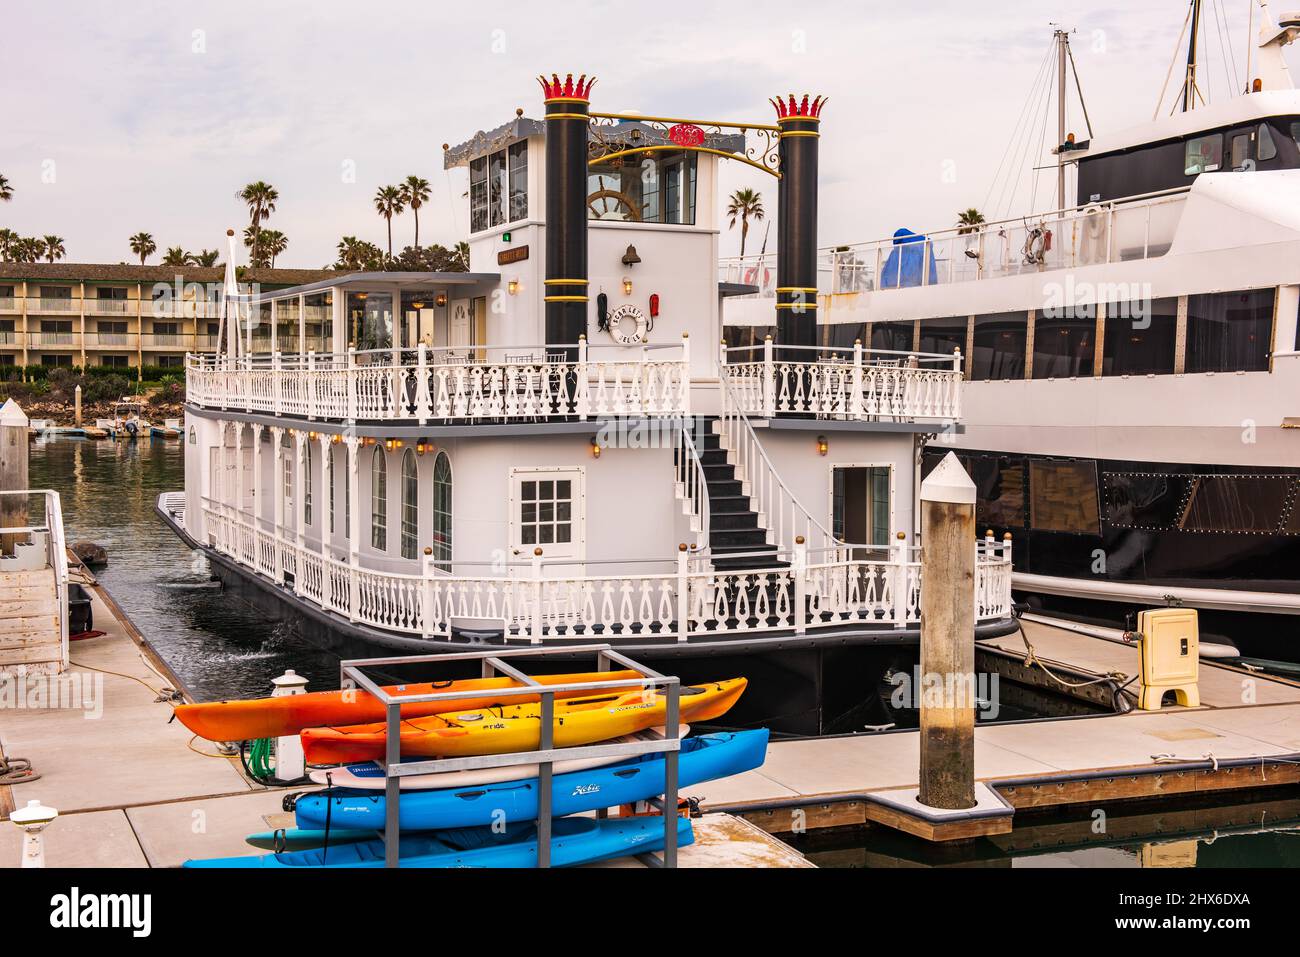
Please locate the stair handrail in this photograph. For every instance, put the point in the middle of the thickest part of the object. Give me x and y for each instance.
(693, 485)
(770, 496)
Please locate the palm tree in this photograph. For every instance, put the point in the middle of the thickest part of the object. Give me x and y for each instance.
(30, 249)
(142, 245)
(255, 242)
(54, 248)
(177, 256)
(6, 191)
(389, 202)
(461, 256)
(206, 258)
(415, 192)
(261, 199)
(8, 238)
(969, 221)
(746, 204)
(358, 254)
(273, 244)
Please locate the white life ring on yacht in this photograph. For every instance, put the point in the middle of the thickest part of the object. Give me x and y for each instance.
(627, 325)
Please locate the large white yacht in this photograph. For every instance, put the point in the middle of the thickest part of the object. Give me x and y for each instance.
(555, 447)
(1132, 407)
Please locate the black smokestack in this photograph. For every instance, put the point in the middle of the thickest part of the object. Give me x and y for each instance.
(796, 251)
(567, 105)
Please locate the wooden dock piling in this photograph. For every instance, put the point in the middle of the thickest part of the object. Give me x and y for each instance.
(947, 691)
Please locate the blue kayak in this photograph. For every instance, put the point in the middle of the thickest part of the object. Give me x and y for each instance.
(704, 758)
(574, 840)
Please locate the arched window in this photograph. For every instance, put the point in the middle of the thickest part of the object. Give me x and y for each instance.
(410, 505)
(379, 500)
(328, 467)
(306, 482)
(442, 511)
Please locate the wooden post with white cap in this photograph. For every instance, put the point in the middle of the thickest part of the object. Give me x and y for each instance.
(947, 689)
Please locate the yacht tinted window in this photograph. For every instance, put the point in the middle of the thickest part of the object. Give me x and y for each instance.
(892, 336)
(1229, 331)
(1203, 155)
(943, 335)
(1140, 337)
(1236, 503)
(1064, 342)
(1267, 149)
(1063, 497)
(1240, 150)
(999, 347)
(1144, 500)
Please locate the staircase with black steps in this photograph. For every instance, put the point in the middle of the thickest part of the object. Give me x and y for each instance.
(733, 523)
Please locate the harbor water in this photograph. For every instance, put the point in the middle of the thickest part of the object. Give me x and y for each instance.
(218, 646)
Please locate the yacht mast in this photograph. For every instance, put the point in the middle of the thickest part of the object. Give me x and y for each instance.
(1189, 86)
(1062, 45)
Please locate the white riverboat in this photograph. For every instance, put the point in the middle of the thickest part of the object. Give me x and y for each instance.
(556, 446)
(1132, 395)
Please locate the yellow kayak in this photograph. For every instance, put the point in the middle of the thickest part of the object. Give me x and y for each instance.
(517, 727)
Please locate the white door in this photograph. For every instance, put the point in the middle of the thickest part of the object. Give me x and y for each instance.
(547, 511)
(460, 330)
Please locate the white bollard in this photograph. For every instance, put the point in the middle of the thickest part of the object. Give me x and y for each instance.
(289, 761)
(33, 819)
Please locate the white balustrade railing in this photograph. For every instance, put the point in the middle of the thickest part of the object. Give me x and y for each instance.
(853, 384)
(786, 519)
(840, 587)
(415, 385)
(692, 486)
(1137, 228)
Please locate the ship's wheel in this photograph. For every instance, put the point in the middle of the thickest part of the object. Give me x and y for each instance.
(606, 204)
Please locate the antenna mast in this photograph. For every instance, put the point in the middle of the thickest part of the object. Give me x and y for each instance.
(1062, 46)
(1189, 86)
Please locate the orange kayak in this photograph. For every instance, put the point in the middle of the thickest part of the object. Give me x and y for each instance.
(274, 717)
(517, 727)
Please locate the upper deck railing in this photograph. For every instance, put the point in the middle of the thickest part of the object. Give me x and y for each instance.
(1141, 227)
(849, 384)
(516, 383)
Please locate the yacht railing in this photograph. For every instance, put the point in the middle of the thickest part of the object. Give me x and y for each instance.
(1136, 228)
(477, 384)
(536, 601)
(848, 384)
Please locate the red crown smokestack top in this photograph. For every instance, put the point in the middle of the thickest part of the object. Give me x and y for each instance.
(798, 108)
(555, 88)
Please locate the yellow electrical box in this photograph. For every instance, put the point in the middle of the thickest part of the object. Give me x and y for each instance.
(1170, 657)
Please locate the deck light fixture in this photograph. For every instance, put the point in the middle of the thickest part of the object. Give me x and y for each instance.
(417, 304)
(627, 286)
(595, 448)
(822, 445)
(440, 300)
(512, 286)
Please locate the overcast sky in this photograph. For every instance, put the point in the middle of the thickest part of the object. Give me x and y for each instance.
(135, 115)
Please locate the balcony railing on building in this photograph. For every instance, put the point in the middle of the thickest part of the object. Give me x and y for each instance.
(682, 599)
(475, 384)
(1119, 231)
(849, 384)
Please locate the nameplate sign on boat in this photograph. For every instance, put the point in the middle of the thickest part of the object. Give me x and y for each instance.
(516, 255)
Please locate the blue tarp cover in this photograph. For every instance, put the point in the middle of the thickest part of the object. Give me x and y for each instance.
(903, 266)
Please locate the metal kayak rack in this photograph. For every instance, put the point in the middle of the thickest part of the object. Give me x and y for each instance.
(351, 675)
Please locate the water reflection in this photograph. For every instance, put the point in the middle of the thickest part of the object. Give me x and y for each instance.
(217, 644)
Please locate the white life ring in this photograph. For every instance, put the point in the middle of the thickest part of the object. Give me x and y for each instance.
(627, 325)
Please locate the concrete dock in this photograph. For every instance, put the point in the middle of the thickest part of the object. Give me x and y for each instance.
(841, 781)
(133, 789)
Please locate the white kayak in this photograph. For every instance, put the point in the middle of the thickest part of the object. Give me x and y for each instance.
(370, 776)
